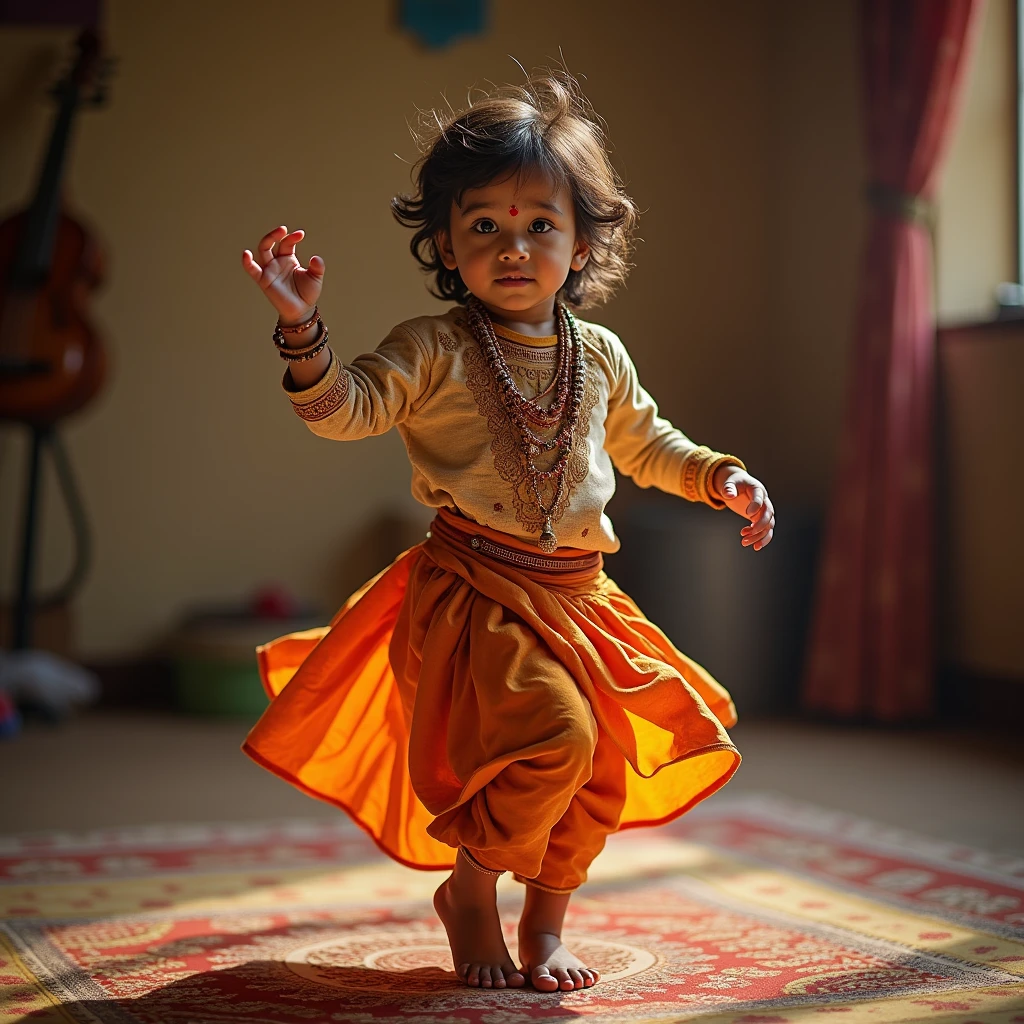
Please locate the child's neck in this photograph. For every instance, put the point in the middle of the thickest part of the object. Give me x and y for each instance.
(536, 322)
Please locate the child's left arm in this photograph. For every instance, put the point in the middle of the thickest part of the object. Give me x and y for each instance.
(648, 448)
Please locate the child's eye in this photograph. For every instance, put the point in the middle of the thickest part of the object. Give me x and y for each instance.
(539, 226)
(485, 227)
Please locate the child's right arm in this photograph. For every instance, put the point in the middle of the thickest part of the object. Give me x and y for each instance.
(369, 395)
(293, 290)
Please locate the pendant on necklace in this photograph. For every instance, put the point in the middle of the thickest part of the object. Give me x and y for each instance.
(548, 541)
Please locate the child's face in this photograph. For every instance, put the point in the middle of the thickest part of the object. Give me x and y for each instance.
(514, 243)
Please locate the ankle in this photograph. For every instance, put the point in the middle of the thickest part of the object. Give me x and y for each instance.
(543, 912)
(467, 882)
(529, 933)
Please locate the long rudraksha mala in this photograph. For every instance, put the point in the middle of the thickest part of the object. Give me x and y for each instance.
(563, 412)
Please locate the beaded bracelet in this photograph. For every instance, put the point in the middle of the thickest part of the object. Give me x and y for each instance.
(300, 355)
(296, 328)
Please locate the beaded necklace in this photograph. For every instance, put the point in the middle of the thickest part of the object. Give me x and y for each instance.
(563, 412)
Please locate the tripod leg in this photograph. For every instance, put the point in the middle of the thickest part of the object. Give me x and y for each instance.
(22, 624)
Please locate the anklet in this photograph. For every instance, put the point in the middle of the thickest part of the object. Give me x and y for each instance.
(470, 859)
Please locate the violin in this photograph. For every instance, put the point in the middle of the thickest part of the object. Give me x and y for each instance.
(52, 360)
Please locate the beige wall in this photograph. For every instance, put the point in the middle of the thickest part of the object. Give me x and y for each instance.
(226, 119)
(976, 231)
(816, 225)
(736, 124)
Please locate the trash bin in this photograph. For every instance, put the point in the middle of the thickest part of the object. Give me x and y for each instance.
(214, 659)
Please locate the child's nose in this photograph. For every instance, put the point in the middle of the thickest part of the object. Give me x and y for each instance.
(515, 251)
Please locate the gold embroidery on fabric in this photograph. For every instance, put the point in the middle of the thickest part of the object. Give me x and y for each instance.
(505, 442)
(446, 341)
(513, 351)
(533, 381)
(327, 403)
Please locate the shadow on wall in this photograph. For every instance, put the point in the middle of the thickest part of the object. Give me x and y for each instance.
(741, 614)
(206, 665)
(371, 548)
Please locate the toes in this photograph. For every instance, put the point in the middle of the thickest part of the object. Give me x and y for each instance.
(488, 976)
(543, 980)
(564, 981)
(577, 978)
(588, 976)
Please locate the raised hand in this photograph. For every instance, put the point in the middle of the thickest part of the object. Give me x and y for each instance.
(747, 497)
(292, 289)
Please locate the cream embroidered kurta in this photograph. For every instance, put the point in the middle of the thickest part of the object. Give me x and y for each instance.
(428, 378)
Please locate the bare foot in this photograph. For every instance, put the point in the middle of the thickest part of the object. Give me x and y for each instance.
(550, 965)
(466, 904)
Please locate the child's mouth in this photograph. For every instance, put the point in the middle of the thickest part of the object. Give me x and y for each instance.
(514, 282)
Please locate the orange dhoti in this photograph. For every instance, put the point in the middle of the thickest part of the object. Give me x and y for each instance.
(478, 697)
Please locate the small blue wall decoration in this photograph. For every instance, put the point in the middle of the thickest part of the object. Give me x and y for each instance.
(436, 23)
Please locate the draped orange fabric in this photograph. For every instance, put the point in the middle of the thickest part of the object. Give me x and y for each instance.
(452, 671)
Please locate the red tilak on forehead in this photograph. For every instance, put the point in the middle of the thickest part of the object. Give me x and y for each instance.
(513, 211)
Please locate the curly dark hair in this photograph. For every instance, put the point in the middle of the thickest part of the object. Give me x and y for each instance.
(545, 124)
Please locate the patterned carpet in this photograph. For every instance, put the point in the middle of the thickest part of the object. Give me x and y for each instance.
(748, 911)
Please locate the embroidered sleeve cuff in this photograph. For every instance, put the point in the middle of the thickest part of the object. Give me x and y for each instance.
(698, 472)
(324, 397)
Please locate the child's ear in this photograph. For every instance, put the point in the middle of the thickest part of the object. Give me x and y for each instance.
(443, 242)
(580, 255)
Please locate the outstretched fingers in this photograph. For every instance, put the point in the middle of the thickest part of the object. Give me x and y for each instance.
(253, 265)
(250, 266)
(265, 247)
(760, 532)
(279, 242)
(757, 501)
(286, 247)
(761, 513)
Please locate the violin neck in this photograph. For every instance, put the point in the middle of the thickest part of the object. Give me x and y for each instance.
(31, 263)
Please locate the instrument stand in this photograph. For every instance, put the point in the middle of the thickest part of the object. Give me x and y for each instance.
(21, 632)
(43, 437)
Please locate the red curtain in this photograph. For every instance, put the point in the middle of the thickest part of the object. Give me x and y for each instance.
(871, 650)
